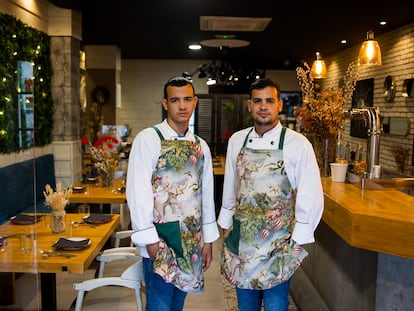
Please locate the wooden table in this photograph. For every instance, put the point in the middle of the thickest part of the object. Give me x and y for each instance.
(219, 164)
(94, 194)
(13, 259)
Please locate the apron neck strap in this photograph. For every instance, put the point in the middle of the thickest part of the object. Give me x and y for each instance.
(197, 139)
(158, 132)
(282, 138)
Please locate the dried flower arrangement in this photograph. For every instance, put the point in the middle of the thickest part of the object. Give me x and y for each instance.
(57, 200)
(321, 113)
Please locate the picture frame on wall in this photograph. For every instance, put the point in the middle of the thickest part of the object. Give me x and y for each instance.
(362, 97)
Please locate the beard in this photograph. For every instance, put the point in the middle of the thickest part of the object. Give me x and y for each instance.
(263, 122)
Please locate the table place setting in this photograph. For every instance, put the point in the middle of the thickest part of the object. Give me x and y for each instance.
(97, 218)
(23, 219)
(47, 254)
(71, 244)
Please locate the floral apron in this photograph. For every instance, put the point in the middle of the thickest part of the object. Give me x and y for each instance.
(258, 253)
(176, 184)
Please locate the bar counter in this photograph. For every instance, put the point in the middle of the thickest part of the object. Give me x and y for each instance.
(362, 258)
(376, 220)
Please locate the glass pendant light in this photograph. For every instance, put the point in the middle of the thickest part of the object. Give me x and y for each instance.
(370, 53)
(319, 70)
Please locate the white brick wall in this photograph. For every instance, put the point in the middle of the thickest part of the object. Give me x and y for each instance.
(397, 49)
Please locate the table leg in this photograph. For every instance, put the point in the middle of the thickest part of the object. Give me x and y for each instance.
(48, 291)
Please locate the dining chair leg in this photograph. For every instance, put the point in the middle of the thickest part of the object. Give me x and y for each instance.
(138, 297)
(79, 300)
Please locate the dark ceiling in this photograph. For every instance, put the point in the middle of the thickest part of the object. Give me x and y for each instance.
(163, 29)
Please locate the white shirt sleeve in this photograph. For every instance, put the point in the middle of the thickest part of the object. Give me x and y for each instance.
(209, 224)
(142, 160)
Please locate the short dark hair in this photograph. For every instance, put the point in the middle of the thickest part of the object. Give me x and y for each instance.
(263, 83)
(177, 81)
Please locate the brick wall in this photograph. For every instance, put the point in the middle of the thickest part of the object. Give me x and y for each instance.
(397, 49)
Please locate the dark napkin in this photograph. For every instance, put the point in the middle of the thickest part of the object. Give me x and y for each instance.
(78, 189)
(67, 244)
(97, 218)
(24, 219)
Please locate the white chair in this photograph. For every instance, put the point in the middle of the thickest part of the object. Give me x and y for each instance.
(118, 252)
(131, 277)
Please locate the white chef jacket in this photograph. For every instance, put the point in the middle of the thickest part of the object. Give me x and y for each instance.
(302, 171)
(143, 158)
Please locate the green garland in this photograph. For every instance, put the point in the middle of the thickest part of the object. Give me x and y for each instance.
(18, 41)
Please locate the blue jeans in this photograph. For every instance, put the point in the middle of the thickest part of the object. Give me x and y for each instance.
(275, 298)
(161, 296)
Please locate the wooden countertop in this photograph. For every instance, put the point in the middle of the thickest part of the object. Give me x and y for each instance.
(376, 220)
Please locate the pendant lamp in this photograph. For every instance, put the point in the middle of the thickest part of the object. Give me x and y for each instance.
(319, 70)
(370, 53)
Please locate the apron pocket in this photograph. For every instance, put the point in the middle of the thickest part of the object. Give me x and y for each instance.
(170, 233)
(232, 240)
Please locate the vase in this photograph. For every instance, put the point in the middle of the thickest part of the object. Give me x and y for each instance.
(325, 149)
(107, 178)
(58, 221)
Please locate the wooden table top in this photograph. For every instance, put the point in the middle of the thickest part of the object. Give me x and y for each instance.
(219, 164)
(13, 259)
(376, 220)
(95, 194)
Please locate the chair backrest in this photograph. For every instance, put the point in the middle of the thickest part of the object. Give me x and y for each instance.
(123, 235)
(134, 272)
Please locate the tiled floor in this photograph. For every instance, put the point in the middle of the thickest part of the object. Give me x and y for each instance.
(218, 295)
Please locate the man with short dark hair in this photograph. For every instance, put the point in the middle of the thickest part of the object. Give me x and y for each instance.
(272, 204)
(170, 194)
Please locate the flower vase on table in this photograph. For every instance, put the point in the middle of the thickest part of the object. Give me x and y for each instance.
(57, 200)
(325, 149)
(58, 221)
(107, 177)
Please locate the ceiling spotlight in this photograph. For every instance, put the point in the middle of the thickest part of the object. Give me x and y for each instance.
(194, 47)
(211, 81)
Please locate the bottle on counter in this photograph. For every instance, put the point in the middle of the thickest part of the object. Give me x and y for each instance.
(341, 148)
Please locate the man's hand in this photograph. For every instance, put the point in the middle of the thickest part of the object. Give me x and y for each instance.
(207, 255)
(152, 250)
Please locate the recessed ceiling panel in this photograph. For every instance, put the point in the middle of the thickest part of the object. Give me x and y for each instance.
(228, 23)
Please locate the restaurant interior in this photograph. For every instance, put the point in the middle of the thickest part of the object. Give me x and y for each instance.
(80, 79)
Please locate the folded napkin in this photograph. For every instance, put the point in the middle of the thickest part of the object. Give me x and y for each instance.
(24, 219)
(71, 244)
(97, 218)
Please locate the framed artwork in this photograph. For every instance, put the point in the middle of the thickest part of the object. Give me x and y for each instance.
(362, 97)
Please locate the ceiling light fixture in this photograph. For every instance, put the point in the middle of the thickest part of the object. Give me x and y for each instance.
(194, 47)
(226, 72)
(319, 70)
(370, 53)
